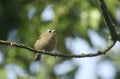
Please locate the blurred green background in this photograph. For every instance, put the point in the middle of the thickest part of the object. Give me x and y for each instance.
(80, 28)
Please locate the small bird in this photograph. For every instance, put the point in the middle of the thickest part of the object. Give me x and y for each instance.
(47, 41)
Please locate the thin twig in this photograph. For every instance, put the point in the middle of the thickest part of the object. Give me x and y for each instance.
(113, 33)
(14, 44)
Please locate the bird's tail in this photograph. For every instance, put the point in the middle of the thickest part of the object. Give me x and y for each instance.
(37, 57)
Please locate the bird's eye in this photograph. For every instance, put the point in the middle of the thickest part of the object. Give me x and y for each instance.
(50, 31)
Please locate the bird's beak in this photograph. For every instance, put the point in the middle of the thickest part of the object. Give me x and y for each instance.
(54, 31)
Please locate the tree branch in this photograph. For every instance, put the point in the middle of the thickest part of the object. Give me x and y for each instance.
(110, 25)
(108, 21)
(14, 44)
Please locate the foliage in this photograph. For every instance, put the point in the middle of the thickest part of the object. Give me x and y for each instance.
(21, 21)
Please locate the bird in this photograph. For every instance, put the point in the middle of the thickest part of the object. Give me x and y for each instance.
(47, 41)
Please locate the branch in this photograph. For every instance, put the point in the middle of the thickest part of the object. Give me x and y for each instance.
(108, 21)
(14, 44)
(111, 27)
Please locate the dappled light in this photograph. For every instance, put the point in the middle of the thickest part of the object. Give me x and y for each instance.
(87, 45)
